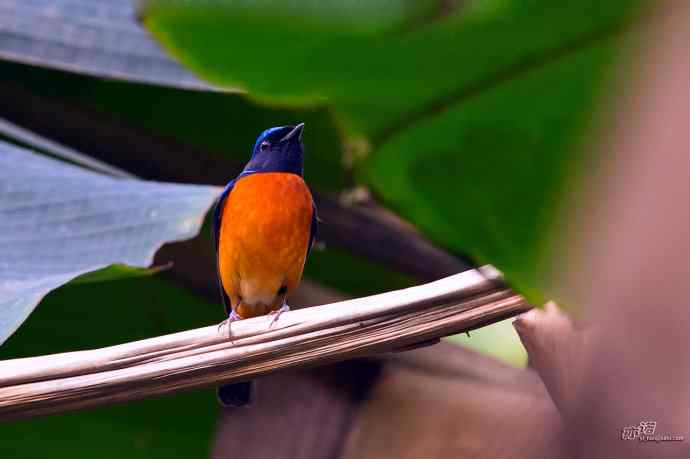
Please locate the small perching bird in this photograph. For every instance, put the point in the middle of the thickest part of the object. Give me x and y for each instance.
(265, 224)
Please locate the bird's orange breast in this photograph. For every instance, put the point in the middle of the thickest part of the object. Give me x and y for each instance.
(263, 240)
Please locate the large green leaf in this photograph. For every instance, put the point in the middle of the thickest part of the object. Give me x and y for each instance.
(466, 117)
(489, 180)
(375, 78)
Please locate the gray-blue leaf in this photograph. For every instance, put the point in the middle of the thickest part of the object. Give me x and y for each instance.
(58, 221)
(93, 37)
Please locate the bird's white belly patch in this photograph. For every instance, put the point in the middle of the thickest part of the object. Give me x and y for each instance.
(256, 293)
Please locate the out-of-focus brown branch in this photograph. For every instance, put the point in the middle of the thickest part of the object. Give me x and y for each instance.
(555, 350)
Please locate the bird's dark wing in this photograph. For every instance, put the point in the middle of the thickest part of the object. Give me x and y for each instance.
(236, 394)
(217, 217)
(314, 230)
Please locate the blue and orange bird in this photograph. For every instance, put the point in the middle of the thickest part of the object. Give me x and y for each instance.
(264, 226)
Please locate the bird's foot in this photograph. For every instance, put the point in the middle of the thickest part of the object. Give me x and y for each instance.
(231, 318)
(276, 314)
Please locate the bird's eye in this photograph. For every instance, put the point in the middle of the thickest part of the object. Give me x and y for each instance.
(264, 145)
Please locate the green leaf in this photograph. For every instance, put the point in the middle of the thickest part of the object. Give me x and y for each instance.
(468, 118)
(491, 180)
(372, 79)
(118, 272)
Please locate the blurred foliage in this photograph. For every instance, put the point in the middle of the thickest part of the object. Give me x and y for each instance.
(499, 340)
(352, 274)
(225, 124)
(466, 117)
(494, 180)
(91, 315)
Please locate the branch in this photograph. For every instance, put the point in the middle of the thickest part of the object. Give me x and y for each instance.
(206, 357)
(555, 349)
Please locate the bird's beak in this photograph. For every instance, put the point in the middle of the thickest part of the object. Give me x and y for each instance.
(295, 133)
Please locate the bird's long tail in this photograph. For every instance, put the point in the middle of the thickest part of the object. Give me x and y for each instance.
(236, 394)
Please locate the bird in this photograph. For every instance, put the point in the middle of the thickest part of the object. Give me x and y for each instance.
(265, 224)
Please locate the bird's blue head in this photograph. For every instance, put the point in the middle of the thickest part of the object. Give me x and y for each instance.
(278, 149)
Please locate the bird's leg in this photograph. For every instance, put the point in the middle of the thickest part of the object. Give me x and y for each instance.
(231, 318)
(276, 314)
